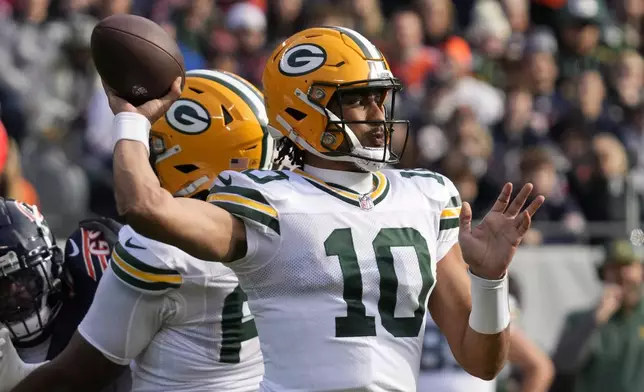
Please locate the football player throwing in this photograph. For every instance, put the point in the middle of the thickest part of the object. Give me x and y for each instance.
(339, 257)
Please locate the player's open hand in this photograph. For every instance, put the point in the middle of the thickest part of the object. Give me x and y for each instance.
(489, 248)
(152, 110)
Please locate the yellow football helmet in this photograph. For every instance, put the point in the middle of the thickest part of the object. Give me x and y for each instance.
(312, 68)
(218, 123)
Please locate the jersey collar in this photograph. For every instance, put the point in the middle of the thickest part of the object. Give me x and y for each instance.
(358, 182)
(347, 186)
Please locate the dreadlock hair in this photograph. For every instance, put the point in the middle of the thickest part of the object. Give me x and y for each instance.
(286, 148)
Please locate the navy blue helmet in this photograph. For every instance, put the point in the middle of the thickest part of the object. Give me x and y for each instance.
(30, 273)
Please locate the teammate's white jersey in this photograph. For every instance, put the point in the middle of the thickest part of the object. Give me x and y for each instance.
(338, 282)
(183, 323)
(439, 371)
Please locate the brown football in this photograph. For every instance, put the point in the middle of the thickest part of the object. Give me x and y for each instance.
(135, 57)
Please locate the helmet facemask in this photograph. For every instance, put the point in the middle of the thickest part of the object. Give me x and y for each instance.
(29, 293)
(339, 139)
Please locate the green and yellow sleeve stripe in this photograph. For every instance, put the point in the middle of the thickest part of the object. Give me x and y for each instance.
(450, 214)
(248, 204)
(141, 276)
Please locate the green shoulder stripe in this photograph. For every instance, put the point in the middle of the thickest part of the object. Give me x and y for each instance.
(248, 212)
(454, 201)
(138, 274)
(139, 265)
(448, 223)
(241, 191)
(246, 203)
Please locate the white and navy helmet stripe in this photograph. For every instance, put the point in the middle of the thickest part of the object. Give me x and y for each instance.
(242, 89)
(368, 49)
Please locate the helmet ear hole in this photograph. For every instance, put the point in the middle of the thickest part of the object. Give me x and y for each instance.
(296, 114)
(185, 169)
(228, 118)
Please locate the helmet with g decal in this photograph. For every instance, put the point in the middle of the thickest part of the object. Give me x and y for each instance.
(316, 68)
(218, 123)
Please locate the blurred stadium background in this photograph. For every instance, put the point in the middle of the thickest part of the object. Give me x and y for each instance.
(548, 91)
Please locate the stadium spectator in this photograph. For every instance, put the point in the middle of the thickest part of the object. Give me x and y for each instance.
(519, 129)
(411, 60)
(478, 191)
(105, 8)
(248, 23)
(580, 25)
(369, 18)
(13, 184)
(327, 14)
(607, 194)
(439, 19)
(192, 25)
(628, 21)
(601, 348)
(538, 167)
(539, 62)
(485, 99)
(625, 83)
(518, 12)
(285, 17)
(489, 33)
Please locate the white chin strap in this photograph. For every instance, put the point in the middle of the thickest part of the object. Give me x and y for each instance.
(366, 158)
(374, 155)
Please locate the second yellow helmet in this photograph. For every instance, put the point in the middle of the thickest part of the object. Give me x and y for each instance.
(218, 123)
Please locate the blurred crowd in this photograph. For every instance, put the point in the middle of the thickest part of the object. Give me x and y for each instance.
(547, 91)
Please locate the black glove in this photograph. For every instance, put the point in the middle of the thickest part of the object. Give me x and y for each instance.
(109, 227)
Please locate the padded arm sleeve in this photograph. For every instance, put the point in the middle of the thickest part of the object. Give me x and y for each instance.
(122, 321)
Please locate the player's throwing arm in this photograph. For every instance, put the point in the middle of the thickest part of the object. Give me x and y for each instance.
(140, 91)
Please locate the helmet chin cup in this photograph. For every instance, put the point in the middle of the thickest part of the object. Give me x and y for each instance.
(379, 157)
(369, 166)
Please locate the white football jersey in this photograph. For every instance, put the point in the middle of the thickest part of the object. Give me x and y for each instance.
(338, 282)
(183, 323)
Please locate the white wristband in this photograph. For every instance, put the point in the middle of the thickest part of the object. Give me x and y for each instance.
(131, 126)
(490, 305)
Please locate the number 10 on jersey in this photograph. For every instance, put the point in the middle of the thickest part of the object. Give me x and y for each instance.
(356, 322)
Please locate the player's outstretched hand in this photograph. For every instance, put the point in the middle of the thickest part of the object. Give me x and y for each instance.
(10, 363)
(152, 110)
(489, 248)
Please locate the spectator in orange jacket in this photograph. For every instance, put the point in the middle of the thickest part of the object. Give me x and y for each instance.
(12, 184)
